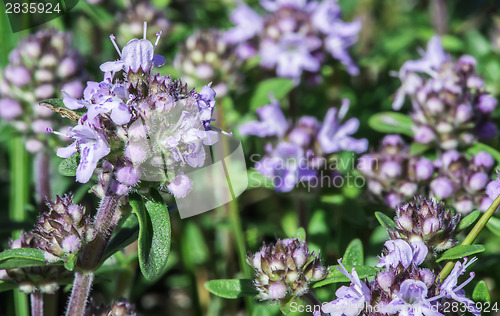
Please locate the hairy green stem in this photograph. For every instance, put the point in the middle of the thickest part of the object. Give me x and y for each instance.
(80, 293)
(42, 169)
(472, 235)
(19, 193)
(36, 303)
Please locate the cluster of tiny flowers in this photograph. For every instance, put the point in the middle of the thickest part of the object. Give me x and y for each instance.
(403, 286)
(145, 126)
(206, 57)
(28, 280)
(428, 221)
(294, 35)
(300, 149)
(285, 269)
(118, 308)
(131, 21)
(65, 228)
(40, 67)
(450, 108)
(394, 176)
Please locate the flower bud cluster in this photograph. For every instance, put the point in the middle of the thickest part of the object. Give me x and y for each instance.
(40, 67)
(300, 150)
(404, 284)
(206, 57)
(43, 279)
(450, 108)
(131, 20)
(294, 36)
(146, 126)
(428, 221)
(393, 174)
(285, 269)
(462, 181)
(65, 229)
(121, 307)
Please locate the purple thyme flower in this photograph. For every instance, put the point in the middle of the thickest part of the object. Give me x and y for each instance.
(334, 136)
(412, 300)
(272, 122)
(400, 252)
(92, 146)
(350, 299)
(293, 36)
(450, 108)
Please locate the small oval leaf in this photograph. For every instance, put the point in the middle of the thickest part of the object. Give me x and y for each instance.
(353, 255)
(481, 293)
(385, 221)
(231, 288)
(68, 166)
(469, 220)
(391, 122)
(154, 234)
(277, 88)
(21, 258)
(461, 251)
(335, 276)
(494, 226)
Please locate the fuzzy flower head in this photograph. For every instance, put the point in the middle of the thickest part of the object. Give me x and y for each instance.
(145, 127)
(301, 148)
(394, 175)
(412, 300)
(40, 67)
(428, 221)
(65, 229)
(285, 269)
(293, 36)
(449, 106)
(206, 57)
(44, 279)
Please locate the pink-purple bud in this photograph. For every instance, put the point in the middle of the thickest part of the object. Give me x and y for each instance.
(128, 175)
(483, 159)
(442, 188)
(424, 169)
(478, 181)
(10, 109)
(180, 187)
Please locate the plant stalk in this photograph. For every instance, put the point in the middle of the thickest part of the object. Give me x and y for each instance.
(42, 168)
(469, 239)
(80, 293)
(36, 303)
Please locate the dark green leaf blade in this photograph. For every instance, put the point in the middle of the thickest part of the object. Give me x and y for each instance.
(154, 234)
(385, 221)
(353, 255)
(274, 87)
(335, 276)
(126, 234)
(481, 292)
(7, 286)
(494, 226)
(21, 258)
(469, 220)
(231, 288)
(68, 166)
(461, 251)
(391, 122)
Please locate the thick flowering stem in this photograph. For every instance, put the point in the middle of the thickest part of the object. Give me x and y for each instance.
(104, 223)
(472, 234)
(42, 167)
(36, 304)
(80, 293)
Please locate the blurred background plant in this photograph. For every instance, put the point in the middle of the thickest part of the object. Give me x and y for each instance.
(214, 245)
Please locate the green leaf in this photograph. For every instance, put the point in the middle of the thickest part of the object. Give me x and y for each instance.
(258, 180)
(276, 88)
(194, 248)
(477, 147)
(391, 122)
(231, 288)
(494, 226)
(21, 258)
(154, 234)
(469, 220)
(418, 148)
(54, 102)
(68, 166)
(7, 286)
(335, 276)
(126, 234)
(481, 293)
(461, 251)
(70, 261)
(353, 255)
(301, 234)
(385, 221)
(286, 306)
